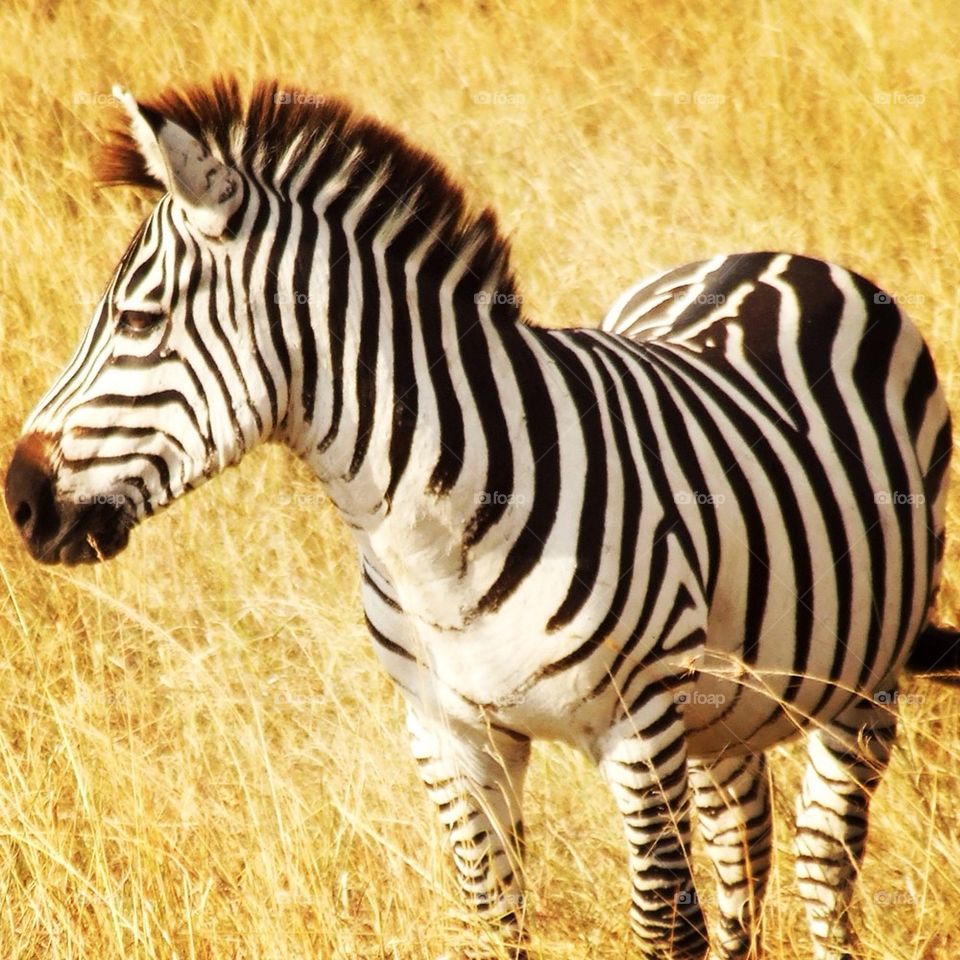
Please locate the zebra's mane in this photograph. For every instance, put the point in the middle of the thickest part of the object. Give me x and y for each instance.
(279, 128)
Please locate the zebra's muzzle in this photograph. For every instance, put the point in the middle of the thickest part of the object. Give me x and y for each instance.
(56, 531)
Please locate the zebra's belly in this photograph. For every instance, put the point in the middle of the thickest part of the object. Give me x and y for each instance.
(728, 718)
(721, 717)
(558, 707)
(746, 709)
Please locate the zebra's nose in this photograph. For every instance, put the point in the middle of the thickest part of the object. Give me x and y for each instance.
(29, 493)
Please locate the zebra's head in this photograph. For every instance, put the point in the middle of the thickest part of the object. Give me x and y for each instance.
(239, 311)
(151, 403)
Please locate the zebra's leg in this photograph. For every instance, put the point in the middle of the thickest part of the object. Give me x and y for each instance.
(646, 769)
(732, 797)
(476, 780)
(846, 760)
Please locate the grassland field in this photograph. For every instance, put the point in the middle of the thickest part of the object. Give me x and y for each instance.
(199, 756)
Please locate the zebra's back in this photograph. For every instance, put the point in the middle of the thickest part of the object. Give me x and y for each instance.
(813, 486)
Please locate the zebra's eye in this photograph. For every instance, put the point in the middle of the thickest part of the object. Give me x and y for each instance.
(138, 321)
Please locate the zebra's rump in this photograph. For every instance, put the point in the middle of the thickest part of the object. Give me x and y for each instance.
(814, 490)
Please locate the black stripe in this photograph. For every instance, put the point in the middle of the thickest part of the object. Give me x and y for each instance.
(936, 537)
(759, 318)
(255, 237)
(475, 351)
(302, 271)
(156, 399)
(338, 265)
(387, 643)
(146, 235)
(271, 291)
(654, 689)
(378, 590)
(870, 375)
(133, 433)
(438, 262)
(923, 385)
(339, 268)
(682, 602)
(369, 346)
(405, 390)
(508, 732)
(541, 420)
(593, 505)
(140, 486)
(155, 460)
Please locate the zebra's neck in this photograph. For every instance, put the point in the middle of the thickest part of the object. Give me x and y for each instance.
(393, 330)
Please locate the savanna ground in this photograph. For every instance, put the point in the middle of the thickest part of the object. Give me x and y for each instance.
(199, 757)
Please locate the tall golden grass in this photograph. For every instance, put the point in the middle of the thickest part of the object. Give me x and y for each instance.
(199, 757)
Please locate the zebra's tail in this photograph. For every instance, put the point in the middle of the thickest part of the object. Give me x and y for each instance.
(936, 654)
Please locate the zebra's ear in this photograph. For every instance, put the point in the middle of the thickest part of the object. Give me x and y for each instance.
(209, 191)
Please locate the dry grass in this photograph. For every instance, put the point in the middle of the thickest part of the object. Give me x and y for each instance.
(199, 757)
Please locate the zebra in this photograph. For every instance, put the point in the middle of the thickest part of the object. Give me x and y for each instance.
(672, 542)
